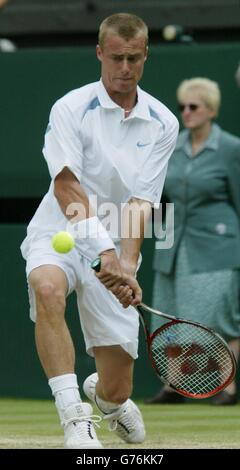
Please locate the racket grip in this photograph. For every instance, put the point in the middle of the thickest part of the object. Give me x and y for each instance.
(96, 264)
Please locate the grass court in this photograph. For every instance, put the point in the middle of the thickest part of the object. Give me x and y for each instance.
(33, 424)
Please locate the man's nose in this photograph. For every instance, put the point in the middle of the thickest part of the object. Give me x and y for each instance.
(125, 65)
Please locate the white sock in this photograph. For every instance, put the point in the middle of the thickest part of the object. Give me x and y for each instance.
(65, 390)
(106, 407)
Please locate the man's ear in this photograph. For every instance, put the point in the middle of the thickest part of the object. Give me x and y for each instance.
(146, 54)
(99, 52)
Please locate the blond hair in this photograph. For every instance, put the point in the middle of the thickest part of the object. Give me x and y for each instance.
(207, 90)
(125, 25)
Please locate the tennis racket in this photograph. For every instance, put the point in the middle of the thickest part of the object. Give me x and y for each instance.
(191, 358)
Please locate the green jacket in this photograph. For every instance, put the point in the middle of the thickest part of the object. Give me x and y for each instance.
(205, 190)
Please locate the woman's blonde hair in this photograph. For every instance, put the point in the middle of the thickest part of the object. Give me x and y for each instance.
(125, 25)
(207, 90)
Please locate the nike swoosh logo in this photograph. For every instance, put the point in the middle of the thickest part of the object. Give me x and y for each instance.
(141, 144)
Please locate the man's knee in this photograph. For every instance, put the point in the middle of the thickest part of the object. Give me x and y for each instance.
(49, 295)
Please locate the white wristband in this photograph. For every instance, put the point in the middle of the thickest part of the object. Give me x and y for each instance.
(91, 238)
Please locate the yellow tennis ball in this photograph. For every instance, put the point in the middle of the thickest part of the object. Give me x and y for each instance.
(63, 242)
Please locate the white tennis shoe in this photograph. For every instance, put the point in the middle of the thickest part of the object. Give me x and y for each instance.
(78, 424)
(127, 421)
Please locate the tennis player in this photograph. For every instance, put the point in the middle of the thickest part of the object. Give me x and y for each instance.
(107, 141)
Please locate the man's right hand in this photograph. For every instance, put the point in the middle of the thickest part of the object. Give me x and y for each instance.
(124, 287)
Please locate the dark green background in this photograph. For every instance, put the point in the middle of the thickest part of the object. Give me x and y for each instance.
(31, 81)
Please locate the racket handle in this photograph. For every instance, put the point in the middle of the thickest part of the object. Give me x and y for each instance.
(96, 264)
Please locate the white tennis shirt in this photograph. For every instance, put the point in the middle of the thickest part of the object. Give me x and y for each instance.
(113, 158)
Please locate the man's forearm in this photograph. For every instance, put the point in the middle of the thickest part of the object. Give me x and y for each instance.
(91, 238)
(129, 254)
(71, 197)
(136, 216)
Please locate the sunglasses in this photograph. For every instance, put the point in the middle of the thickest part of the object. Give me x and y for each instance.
(191, 107)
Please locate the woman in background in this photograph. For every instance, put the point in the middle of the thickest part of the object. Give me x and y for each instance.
(198, 278)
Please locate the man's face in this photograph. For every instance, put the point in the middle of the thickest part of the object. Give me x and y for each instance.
(122, 63)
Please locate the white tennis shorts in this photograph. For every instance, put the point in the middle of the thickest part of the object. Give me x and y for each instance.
(103, 320)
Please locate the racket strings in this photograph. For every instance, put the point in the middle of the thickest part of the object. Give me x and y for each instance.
(193, 360)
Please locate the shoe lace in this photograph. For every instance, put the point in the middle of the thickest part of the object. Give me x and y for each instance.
(93, 419)
(121, 420)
